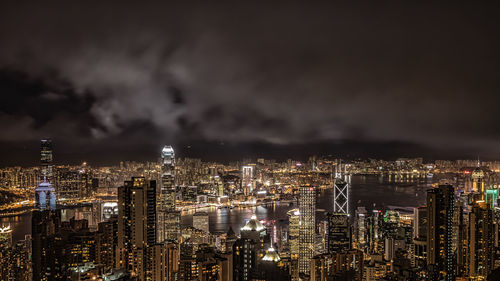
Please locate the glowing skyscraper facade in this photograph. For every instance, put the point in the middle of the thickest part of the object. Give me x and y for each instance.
(168, 217)
(45, 196)
(341, 186)
(46, 159)
(247, 179)
(307, 209)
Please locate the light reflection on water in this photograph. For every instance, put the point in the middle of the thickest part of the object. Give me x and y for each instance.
(369, 191)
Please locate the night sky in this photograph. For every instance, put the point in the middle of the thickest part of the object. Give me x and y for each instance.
(225, 80)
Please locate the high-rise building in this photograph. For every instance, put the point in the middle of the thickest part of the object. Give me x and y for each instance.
(307, 209)
(200, 221)
(46, 159)
(137, 226)
(481, 243)
(244, 259)
(247, 179)
(293, 233)
(168, 217)
(420, 222)
(45, 196)
(440, 208)
(360, 226)
(341, 186)
(107, 243)
(165, 261)
(339, 238)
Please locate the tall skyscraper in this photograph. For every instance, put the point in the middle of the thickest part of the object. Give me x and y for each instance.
(420, 222)
(360, 227)
(137, 226)
(339, 238)
(247, 179)
(341, 186)
(440, 207)
(307, 209)
(168, 217)
(293, 233)
(244, 259)
(481, 244)
(46, 159)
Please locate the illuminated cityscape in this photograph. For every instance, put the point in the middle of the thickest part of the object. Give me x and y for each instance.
(249, 141)
(294, 224)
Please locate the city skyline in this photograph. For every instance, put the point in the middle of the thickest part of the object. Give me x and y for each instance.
(249, 141)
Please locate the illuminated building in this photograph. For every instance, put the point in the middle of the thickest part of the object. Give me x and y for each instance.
(45, 196)
(247, 179)
(172, 222)
(293, 232)
(15, 259)
(307, 209)
(137, 226)
(478, 185)
(481, 244)
(168, 217)
(73, 183)
(108, 210)
(213, 265)
(339, 238)
(420, 222)
(255, 231)
(244, 259)
(46, 159)
(360, 226)
(200, 221)
(188, 267)
(440, 209)
(341, 186)
(6, 236)
(347, 265)
(107, 243)
(165, 261)
(59, 246)
(374, 232)
(270, 267)
(491, 197)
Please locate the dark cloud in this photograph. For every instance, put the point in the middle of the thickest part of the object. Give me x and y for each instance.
(279, 74)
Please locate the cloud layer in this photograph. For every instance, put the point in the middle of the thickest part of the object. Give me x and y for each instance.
(275, 73)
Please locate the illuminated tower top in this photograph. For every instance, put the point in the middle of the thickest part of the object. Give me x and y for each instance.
(167, 160)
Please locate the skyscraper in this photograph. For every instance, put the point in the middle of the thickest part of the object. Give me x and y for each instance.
(360, 227)
(341, 186)
(440, 206)
(339, 238)
(244, 259)
(293, 233)
(168, 217)
(420, 222)
(137, 226)
(481, 244)
(307, 208)
(46, 159)
(247, 179)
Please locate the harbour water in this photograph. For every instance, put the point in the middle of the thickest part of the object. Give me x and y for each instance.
(373, 192)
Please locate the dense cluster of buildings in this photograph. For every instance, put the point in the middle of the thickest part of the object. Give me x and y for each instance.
(133, 230)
